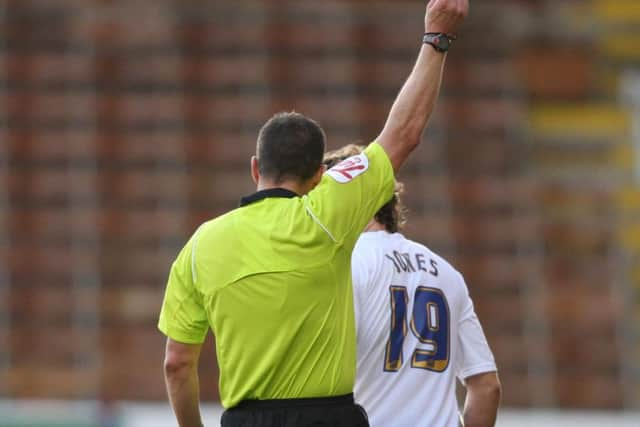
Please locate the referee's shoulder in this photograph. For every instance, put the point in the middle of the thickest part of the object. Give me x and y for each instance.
(217, 224)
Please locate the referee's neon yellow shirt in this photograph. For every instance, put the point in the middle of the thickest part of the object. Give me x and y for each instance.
(272, 279)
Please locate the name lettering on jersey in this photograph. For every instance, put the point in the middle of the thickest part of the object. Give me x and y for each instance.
(407, 259)
(349, 168)
(434, 267)
(404, 262)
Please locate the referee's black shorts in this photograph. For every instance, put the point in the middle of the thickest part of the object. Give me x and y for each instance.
(340, 411)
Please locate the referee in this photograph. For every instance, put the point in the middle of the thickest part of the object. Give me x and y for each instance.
(272, 278)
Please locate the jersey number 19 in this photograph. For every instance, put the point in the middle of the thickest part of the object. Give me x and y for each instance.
(429, 323)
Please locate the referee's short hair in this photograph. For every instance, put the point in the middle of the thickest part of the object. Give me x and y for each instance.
(393, 214)
(290, 146)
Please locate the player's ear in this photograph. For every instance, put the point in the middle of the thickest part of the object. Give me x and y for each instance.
(255, 170)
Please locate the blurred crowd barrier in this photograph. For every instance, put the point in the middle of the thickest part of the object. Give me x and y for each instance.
(138, 414)
(124, 124)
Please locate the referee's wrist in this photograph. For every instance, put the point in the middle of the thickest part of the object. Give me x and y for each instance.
(440, 42)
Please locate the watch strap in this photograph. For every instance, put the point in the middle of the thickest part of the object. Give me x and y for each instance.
(441, 42)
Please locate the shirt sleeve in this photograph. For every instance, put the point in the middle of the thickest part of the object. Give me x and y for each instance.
(183, 317)
(475, 355)
(350, 194)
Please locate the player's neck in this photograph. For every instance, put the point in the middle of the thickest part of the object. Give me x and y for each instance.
(374, 226)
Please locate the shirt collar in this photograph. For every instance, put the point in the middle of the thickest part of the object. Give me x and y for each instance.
(264, 194)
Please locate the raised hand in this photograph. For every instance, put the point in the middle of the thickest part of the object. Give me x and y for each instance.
(445, 16)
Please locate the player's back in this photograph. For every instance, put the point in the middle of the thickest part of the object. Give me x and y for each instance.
(409, 302)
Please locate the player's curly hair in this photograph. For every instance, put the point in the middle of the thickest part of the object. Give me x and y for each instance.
(393, 214)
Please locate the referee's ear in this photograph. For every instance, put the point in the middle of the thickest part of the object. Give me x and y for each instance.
(255, 170)
(318, 176)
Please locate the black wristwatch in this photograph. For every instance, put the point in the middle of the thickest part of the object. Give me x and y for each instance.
(440, 41)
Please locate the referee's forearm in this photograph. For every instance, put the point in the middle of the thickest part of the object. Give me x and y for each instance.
(184, 394)
(415, 102)
(413, 105)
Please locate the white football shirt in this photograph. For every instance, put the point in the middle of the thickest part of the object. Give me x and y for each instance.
(417, 332)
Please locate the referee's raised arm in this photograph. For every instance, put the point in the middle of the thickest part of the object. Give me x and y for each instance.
(416, 100)
(272, 279)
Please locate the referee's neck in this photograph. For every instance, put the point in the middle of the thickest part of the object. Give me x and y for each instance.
(299, 187)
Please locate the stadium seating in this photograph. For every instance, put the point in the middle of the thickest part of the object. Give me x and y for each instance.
(129, 123)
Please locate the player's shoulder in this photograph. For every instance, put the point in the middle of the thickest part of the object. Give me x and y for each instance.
(444, 267)
(419, 246)
(375, 241)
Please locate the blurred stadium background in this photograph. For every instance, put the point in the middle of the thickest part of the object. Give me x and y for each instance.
(124, 124)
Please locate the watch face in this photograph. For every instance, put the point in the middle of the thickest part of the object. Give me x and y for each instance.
(440, 42)
(443, 42)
